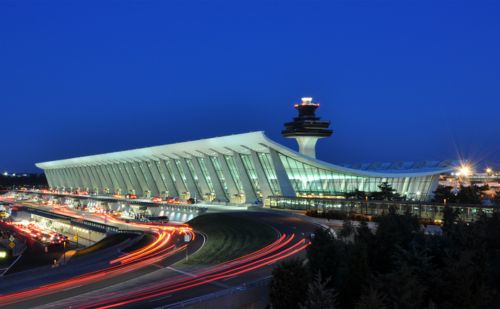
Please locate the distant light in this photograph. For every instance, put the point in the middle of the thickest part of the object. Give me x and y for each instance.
(489, 170)
(3, 254)
(465, 170)
(5, 174)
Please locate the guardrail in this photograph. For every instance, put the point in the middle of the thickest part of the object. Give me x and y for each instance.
(231, 291)
(191, 207)
(95, 226)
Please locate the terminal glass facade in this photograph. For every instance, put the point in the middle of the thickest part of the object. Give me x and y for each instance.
(238, 168)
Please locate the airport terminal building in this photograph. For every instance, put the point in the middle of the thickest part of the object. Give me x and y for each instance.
(242, 168)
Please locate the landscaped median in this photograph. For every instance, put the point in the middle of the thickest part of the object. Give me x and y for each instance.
(229, 236)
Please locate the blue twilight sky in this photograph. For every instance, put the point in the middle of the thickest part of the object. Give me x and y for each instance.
(400, 80)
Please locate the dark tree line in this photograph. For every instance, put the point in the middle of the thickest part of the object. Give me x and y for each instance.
(464, 195)
(29, 181)
(397, 266)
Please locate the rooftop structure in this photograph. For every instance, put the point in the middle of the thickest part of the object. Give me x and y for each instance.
(241, 168)
(307, 128)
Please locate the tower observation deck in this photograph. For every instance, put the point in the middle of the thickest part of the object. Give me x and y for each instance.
(307, 128)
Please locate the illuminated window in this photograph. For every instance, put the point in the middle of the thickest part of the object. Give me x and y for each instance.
(190, 165)
(234, 172)
(267, 165)
(218, 170)
(252, 173)
(205, 173)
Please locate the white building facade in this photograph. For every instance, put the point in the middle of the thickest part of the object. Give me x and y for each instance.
(242, 169)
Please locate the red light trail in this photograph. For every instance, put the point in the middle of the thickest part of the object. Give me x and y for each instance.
(162, 247)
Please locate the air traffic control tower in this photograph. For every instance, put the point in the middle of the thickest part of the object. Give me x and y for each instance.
(307, 128)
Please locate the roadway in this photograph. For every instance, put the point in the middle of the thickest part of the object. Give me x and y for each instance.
(158, 278)
(179, 282)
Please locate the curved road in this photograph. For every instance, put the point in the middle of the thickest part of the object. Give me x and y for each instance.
(153, 279)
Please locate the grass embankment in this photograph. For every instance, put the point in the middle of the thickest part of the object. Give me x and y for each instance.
(229, 237)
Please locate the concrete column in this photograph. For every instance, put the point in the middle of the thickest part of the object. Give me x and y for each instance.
(167, 177)
(67, 177)
(138, 188)
(261, 176)
(201, 177)
(152, 185)
(433, 184)
(60, 180)
(250, 194)
(220, 194)
(139, 172)
(120, 170)
(49, 177)
(63, 177)
(78, 177)
(232, 188)
(79, 180)
(118, 181)
(70, 183)
(104, 182)
(283, 180)
(155, 175)
(193, 190)
(98, 180)
(93, 178)
(89, 181)
(107, 177)
(179, 183)
(110, 176)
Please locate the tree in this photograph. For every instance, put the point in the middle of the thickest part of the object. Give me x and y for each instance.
(394, 232)
(443, 193)
(347, 229)
(288, 285)
(450, 217)
(372, 299)
(357, 273)
(325, 254)
(461, 283)
(364, 234)
(319, 296)
(357, 195)
(386, 193)
(403, 288)
(398, 266)
(469, 195)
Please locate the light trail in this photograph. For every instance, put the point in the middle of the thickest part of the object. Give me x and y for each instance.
(154, 252)
(236, 267)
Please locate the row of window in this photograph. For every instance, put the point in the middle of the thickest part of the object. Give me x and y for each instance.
(148, 175)
(308, 179)
(209, 175)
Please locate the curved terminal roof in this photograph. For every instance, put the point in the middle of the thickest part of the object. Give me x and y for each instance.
(244, 143)
(405, 166)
